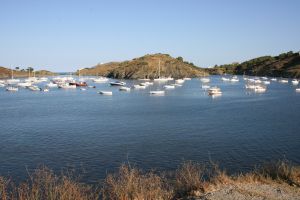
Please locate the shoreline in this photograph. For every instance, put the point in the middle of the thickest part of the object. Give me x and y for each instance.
(276, 180)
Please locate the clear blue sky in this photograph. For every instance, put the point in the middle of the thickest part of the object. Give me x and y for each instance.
(66, 35)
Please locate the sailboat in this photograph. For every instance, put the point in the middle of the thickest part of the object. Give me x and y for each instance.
(12, 80)
(161, 79)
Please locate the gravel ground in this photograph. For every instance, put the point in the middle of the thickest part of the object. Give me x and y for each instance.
(253, 191)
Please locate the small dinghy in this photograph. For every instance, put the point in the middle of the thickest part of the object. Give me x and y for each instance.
(157, 92)
(169, 87)
(123, 88)
(117, 83)
(295, 82)
(108, 93)
(12, 89)
(214, 91)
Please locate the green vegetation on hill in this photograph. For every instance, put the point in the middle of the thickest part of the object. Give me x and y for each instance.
(283, 65)
(146, 67)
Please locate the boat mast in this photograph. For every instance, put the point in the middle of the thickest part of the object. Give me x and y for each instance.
(12, 73)
(159, 68)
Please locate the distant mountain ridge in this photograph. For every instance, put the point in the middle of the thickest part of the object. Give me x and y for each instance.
(284, 65)
(147, 67)
(6, 73)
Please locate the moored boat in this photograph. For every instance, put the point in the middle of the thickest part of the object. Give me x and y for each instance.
(214, 91)
(169, 87)
(100, 79)
(51, 85)
(295, 82)
(109, 93)
(34, 88)
(123, 88)
(204, 80)
(179, 81)
(157, 92)
(12, 89)
(139, 86)
(117, 83)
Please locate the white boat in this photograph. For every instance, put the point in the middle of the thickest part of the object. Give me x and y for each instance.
(205, 87)
(169, 87)
(2, 85)
(250, 86)
(12, 80)
(52, 85)
(260, 89)
(161, 79)
(100, 80)
(144, 79)
(234, 79)
(214, 91)
(157, 92)
(139, 86)
(273, 79)
(147, 83)
(225, 79)
(67, 86)
(43, 79)
(179, 81)
(117, 83)
(267, 82)
(297, 89)
(109, 93)
(12, 89)
(123, 88)
(283, 80)
(83, 89)
(295, 82)
(34, 88)
(257, 81)
(264, 78)
(144, 84)
(177, 85)
(205, 80)
(24, 84)
(187, 79)
(45, 90)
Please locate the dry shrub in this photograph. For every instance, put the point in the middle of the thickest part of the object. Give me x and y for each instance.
(3, 188)
(189, 179)
(43, 184)
(218, 176)
(281, 170)
(131, 184)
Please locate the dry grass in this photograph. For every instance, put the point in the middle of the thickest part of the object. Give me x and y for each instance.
(43, 184)
(133, 184)
(189, 179)
(282, 171)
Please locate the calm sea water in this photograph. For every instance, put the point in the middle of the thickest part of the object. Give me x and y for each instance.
(84, 130)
